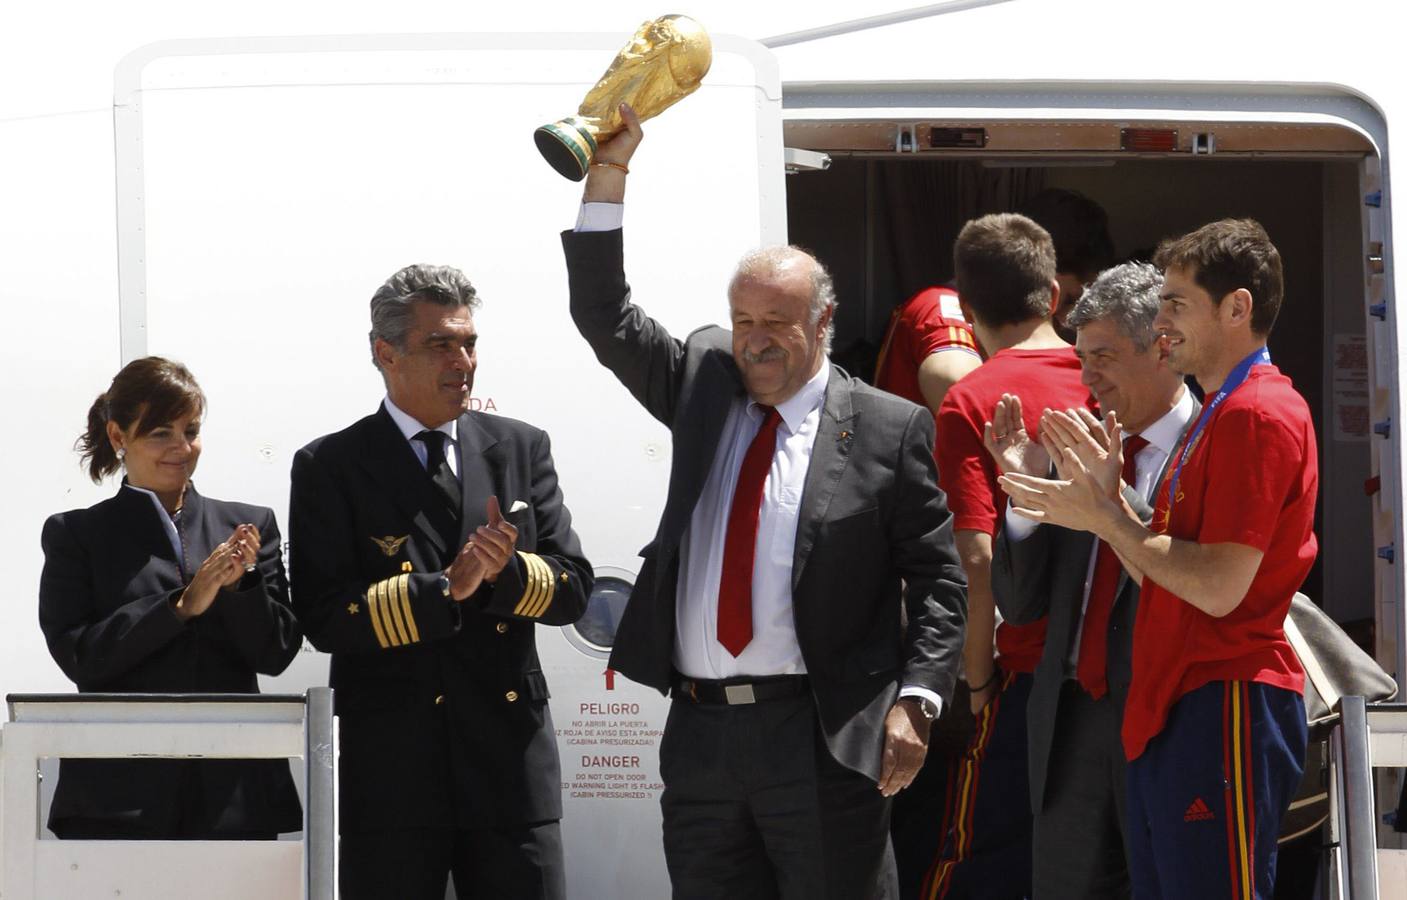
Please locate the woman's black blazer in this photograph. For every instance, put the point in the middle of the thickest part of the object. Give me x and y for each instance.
(106, 592)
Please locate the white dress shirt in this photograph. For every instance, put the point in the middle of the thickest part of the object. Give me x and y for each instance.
(1162, 438)
(774, 649)
(410, 427)
(600, 216)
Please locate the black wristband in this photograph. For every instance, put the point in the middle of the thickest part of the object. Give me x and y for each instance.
(996, 673)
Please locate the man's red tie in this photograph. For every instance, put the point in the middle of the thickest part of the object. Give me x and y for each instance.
(1094, 633)
(740, 542)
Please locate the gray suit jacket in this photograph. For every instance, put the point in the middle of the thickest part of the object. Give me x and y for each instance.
(1044, 575)
(872, 517)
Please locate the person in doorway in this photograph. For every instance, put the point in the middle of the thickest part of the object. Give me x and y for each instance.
(1083, 248)
(928, 347)
(1005, 267)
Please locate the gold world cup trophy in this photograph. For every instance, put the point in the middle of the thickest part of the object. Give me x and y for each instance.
(663, 63)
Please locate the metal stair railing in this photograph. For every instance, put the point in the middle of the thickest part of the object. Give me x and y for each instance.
(178, 726)
(1366, 737)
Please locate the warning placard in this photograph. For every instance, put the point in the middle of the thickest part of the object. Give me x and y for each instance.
(602, 752)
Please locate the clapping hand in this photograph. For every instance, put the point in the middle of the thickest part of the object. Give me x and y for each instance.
(1008, 443)
(484, 555)
(1097, 445)
(223, 568)
(1082, 497)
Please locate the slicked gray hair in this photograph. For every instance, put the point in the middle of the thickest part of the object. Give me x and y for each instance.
(769, 263)
(391, 310)
(1128, 295)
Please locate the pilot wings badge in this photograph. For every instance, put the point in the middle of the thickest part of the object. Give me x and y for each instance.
(389, 544)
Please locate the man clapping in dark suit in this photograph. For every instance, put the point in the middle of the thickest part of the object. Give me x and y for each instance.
(1076, 760)
(429, 542)
(800, 504)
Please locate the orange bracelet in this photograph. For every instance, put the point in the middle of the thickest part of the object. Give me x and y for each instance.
(612, 165)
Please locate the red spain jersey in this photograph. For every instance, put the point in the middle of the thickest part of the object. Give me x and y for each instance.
(1042, 379)
(928, 322)
(1250, 478)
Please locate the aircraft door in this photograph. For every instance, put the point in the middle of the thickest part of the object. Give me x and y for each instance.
(266, 187)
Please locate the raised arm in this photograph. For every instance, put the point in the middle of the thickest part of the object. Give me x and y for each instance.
(636, 348)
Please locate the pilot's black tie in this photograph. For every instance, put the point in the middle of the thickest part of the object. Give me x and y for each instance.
(438, 467)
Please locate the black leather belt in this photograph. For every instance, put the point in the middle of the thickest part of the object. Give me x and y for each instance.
(739, 691)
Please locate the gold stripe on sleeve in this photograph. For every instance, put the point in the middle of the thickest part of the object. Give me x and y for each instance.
(392, 611)
(403, 589)
(374, 612)
(383, 605)
(532, 586)
(529, 608)
(550, 585)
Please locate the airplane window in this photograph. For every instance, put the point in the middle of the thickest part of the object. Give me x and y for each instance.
(595, 632)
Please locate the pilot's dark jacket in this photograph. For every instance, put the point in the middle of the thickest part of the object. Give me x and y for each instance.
(442, 705)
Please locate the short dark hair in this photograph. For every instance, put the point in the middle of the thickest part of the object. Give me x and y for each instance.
(1005, 265)
(1228, 255)
(1078, 226)
(148, 392)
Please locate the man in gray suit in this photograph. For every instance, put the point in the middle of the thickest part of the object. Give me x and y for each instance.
(803, 516)
(1077, 699)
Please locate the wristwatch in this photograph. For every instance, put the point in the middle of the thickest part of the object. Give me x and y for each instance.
(444, 584)
(925, 705)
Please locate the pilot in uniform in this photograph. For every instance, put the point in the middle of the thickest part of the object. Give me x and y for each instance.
(448, 754)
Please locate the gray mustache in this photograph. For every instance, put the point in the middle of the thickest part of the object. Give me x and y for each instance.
(771, 354)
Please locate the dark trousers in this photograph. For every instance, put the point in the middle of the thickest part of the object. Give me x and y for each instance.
(522, 863)
(986, 851)
(1206, 796)
(1079, 831)
(756, 808)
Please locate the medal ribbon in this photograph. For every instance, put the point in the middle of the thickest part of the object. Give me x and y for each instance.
(1259, 357)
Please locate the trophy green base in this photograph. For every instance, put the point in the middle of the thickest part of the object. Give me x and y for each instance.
(567, 146)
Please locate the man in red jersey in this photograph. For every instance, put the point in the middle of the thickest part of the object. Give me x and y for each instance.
(928, 347)
(1006, 281)
(1214, 728)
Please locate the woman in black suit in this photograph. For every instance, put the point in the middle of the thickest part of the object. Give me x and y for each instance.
(161, 590)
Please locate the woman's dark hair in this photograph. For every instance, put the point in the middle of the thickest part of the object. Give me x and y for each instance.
(148, 392)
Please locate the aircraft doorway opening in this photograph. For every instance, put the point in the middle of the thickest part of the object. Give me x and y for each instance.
(885, 222)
